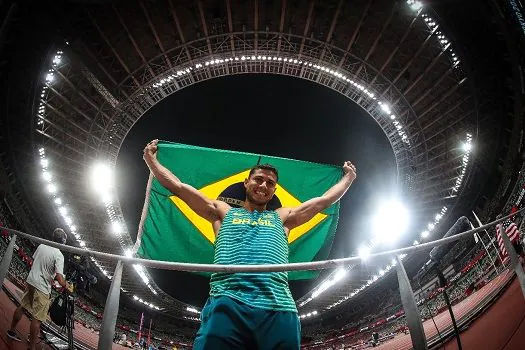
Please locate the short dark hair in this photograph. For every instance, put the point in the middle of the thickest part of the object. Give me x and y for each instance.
(265, 167)
(59, 236)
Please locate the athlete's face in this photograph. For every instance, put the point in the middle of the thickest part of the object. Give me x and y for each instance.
(260, 186)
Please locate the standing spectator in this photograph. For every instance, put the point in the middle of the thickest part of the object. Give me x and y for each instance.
(48, 264)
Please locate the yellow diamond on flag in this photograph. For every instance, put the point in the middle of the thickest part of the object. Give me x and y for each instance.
(215, 189)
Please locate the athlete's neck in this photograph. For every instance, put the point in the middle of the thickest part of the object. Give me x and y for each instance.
(252, 206)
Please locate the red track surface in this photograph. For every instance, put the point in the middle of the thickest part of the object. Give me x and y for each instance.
(501, 327)
(81, 333)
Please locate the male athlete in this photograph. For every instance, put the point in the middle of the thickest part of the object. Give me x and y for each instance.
(249, 310)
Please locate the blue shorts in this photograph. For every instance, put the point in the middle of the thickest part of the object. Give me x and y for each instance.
(230, 324)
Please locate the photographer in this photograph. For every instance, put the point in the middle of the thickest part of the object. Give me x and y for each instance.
(48, 264)
(80, 274)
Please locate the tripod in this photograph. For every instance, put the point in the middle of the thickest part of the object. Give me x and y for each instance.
(443, 284)
(70, 321)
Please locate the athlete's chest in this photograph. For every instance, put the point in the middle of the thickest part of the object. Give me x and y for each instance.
(242, 221)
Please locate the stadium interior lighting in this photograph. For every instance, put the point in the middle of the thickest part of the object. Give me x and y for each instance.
(192, 309)
(152, 306)
(46, 175)
(128, 253)
(425, 234)
(309, 314)
(196, 319)
(117, 227)
(52, 188)
(50, 77)
(467, 148)
(165, 80)
(415, 5)
(364, 252)
(105, 186)
(340, 274)
(382, 272)
(391, 221)
(102, 178)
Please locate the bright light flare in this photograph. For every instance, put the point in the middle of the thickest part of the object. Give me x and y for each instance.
(117, 227)
(51, 188)
(47, 176)
(391, 221)
(364, 252)
(102, 178)
(467, 147)
(340, 274)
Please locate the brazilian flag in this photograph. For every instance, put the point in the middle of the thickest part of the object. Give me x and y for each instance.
(172, 231)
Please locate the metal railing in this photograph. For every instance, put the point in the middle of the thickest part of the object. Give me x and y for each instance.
(414, 322)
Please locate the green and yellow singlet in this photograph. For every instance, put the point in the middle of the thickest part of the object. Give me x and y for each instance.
(249, 238)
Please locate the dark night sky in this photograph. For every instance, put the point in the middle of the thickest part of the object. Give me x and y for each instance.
(273, 115)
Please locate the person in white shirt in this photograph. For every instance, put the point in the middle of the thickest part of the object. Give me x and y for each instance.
(48, 265)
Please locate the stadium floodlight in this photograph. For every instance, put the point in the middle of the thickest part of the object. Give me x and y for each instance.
(391, 221)
(431, 226)
(58, 201)
(135, 297)
(416, 5)
(128, 253)
(364, 252)
(44, 162)
(46, 175)
(82, 243)
(106, 198)
(467, 146)
(62, 210)
(385, 108)
(192, 309)
(340, 274)
(116, 227)
(425, 234)
(102, 178)
(51, 188)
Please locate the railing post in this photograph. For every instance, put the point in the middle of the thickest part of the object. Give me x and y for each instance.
(514, 260)
(415, 325)
(6, 259)
(109, 321)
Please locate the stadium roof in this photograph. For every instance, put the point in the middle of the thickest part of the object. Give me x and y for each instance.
(78, 77)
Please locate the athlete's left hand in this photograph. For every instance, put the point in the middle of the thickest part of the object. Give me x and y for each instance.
(349, 170)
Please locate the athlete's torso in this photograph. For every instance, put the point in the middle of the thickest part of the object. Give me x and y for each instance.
(248, 238)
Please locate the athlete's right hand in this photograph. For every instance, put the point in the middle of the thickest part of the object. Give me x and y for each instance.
(150, 151)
